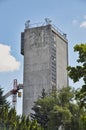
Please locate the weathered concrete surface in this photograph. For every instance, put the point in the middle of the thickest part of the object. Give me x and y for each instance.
(37, 49)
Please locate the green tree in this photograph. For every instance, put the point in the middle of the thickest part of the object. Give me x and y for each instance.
(59, 116)
(57, 109)
(4, 106)
(83, 121)
(9, 120)
(79, 72)
(4, 116)
(2, 98)
(12, 118)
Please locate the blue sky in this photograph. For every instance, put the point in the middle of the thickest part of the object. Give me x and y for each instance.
(68, 15)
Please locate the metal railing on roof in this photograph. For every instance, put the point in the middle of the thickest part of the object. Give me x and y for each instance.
(47, 22)
(59, 31)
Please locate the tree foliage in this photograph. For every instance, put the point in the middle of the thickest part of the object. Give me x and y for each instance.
(9, 120)
(79, 72)
(58, 109)
(2, 98)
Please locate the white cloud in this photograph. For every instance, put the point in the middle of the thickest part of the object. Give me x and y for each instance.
(7, 61)
(83, 24)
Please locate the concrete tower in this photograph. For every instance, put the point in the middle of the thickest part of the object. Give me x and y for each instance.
(45, 51)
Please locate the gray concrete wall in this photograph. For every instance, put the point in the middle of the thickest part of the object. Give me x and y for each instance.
(62, 62)
(37, 63)
(61, 44)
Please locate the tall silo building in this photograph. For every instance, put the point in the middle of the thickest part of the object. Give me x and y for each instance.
(45, 51)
